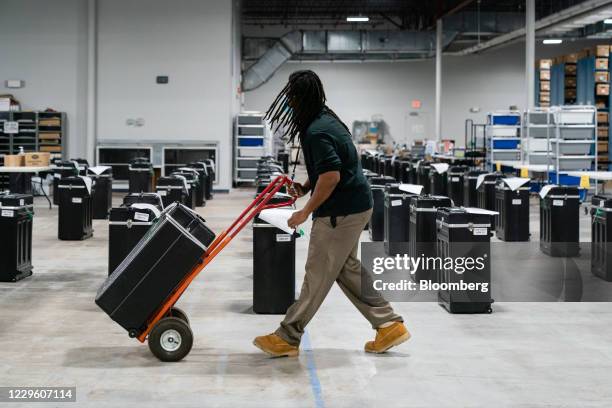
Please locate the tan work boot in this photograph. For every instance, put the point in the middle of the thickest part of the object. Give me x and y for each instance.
(388, 337)
(275, 346)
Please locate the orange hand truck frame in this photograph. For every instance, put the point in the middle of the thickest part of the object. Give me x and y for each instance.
(167, 330)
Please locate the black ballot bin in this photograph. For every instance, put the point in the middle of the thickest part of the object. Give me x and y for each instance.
(273, 265)
(389, 160)
(422, 173)
(396, 219)
(170, 250)
(16, 213)
(75, 209)
(422, 230)
(191, 176)
(83, 166)
(512, 204)
(470, 194)
(202, 169)
(601, 237)
(127, 226)
(462, 234)
(143, 198)
(376, 226)
(20, 183)
(212, 176)
(438, 180)
(62, 170)
(559, 221)
(199, 197)
(102, 192)
(412, 172)
(283, 158)
(140, 176)
(455, 184)
(172, 189)
(486, 191)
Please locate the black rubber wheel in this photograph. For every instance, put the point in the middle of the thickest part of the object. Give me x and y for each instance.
(489, 310)
(176, 312)
(170, 339)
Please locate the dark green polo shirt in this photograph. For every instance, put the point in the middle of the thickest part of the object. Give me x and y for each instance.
(328, 146)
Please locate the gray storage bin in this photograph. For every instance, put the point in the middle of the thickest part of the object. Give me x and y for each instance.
(575, 133)
(251, 131)
(575, 163)
(539, 118)
(573, 148)
(542, 132)
(500, 155)
(535, 158)
(247, 174)
(250, 120)
(248, 163)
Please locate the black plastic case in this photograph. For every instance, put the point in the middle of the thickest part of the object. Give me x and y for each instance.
(75, 210)
(470, 195)
(397, 220)
(455, 184)
(15, 237)
(172, 190)
(486, 191)
(140, 176)
(376, 226)
(559, 222)
(601, 237)
(512, 223)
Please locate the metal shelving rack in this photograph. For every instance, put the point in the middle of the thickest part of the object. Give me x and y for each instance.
(503, 136)
(37, 131)
(252, 140)
(575, 144)
(538, 128)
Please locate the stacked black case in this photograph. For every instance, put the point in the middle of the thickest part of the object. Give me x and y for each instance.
(559, 222)
(172, 190)
(154, 268)
(140, 176)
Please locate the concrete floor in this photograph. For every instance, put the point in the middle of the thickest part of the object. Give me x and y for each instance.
(523, 355)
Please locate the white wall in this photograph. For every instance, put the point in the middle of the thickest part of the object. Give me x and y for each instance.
(44, 43)
(188, 40)
(356, 91)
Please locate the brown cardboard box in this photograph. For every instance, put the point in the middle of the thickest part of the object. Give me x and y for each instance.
(602, 77)
(601, 63)
(570, 82)
(545, 86)
(544, 75)
(545, 63)
(37, 159)
(602, 131)
(570, 93)
(545, 104)
(602, 118)
(602, 147)
(13, 160)
(53, 149)
(601, 51)
(570, 69)
(55, 122)
(602, 89)
(545, 96)
(49, 136)
(571, 58)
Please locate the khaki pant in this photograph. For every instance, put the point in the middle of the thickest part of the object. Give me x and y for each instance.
(332, 257)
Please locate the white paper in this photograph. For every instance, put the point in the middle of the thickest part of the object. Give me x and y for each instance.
(396, 203)
(143, 206)
(283, 237)
(557, 203)
(278, 217)
(516, 182)
(8, 213)
(517, 201)
(480, 231)
(480, 179)
(546, 189)
(87, 181)
(77, 200)
(440, 168)
(97, 170)
(411, 188)
(141, 216)
(474, 210)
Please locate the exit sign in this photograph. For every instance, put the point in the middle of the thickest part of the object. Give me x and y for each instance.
(416, 104)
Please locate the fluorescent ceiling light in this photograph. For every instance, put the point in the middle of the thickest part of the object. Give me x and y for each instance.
(608, 21)
(358, 19)
(552, 41)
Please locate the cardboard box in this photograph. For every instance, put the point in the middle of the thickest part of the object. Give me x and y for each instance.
(602, 147)
(571, 58)
(545, 63)
(600, 51)
(545, 96)
(602, 118)
(544, 75)
(545, 104)
(570, 94)
(37, 159)
(602, 89)
(52, 149)
(51, 122)
(49, 136)
(602, 131)
(13, 160)
(570, 69)
(570, 82)
(601, 63)
(545, 86)
(602, 77)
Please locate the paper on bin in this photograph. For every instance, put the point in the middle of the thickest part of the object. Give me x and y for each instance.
(474, 210)
(87, 181)
(144, 206)
(411, 188)
(480, 179)
(440, 168)
(97, 170)
(278, 217)
(516, 182)
(546, 189)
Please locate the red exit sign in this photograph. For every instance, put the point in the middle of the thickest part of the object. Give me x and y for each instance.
(416, 104)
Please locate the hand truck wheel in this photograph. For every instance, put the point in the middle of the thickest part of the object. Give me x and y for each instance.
(170, 339)
(176, 312)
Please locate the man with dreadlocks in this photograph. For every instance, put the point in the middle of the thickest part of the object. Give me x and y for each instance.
(341, 206)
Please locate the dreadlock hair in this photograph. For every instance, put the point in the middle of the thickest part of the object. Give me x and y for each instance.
(298, 104)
